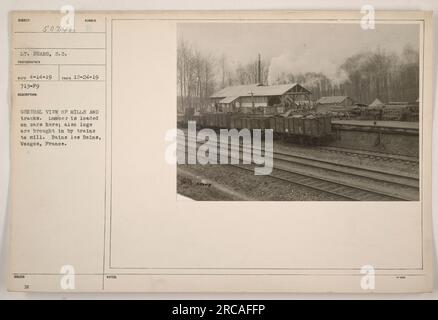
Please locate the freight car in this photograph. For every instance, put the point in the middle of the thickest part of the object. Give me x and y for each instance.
(309, 129)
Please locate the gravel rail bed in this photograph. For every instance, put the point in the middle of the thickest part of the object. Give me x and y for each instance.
(262, 188)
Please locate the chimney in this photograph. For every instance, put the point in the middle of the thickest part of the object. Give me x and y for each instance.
(259, 71)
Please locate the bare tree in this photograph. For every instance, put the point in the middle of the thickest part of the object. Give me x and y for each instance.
(369, 75)
(195, 79)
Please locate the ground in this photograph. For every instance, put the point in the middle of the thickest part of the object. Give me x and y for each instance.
(240, 185)
(229, 183)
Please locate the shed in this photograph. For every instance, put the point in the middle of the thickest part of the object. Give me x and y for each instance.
(336, 100)
(377, 104)
(334, 104)
(249, 97)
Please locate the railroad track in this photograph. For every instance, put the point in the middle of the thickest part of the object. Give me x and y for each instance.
(371, 155)
(350, 190)
(401, 179)
(366, 154)
(345, 191)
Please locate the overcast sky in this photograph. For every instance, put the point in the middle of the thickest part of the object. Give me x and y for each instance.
(299, 47)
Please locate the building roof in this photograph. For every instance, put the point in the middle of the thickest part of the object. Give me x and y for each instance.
(255, 90)
(377, 103)
(234, 91)
(228, 99)
(332, 99)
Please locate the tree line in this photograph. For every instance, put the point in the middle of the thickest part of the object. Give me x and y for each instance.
(366, 76)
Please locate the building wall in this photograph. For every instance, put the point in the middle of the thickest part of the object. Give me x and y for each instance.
(247, 102)
(242, 102)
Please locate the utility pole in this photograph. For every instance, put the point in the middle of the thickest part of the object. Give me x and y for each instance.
(259, 70)
(223, 70)
(252, 100)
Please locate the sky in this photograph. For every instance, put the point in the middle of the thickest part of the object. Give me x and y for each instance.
(297, 47)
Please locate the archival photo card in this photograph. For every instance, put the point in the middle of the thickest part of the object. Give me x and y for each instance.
(209, 151)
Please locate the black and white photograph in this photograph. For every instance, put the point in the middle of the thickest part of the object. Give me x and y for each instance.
(294, 111)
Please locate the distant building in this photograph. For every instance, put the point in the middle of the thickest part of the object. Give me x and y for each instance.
(397, 103)
(377, 104)
(334, 104)
(246, 98)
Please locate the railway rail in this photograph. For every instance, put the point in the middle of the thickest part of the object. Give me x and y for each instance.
(409, 184)
(342, 190)
(370, 154)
